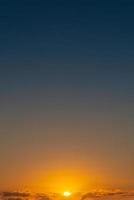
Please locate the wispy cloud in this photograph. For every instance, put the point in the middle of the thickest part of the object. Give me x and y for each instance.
(117, 193)
(94, 195)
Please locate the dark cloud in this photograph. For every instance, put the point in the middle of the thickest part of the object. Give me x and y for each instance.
(23, 196)
(15, 194)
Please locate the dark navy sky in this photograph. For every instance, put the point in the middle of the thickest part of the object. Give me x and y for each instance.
(67, 82)
(66, 40)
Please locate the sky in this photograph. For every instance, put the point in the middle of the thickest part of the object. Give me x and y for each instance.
(66, 94)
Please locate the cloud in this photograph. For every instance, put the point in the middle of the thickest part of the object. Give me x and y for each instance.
(23, 196)
(15, 194)
(117, 193)
(101, 194)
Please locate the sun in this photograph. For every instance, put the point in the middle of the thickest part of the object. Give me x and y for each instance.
(67, 194)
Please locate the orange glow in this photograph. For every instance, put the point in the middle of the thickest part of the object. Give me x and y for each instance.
(67, 179)
(61, 181)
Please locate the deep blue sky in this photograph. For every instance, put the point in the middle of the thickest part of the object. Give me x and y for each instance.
(67, 85)
(67, 39)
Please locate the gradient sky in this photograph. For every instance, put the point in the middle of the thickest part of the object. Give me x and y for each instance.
(66, 94)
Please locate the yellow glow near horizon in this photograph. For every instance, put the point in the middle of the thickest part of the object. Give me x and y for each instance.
(62, 180)
(67, 194)
(71, 179)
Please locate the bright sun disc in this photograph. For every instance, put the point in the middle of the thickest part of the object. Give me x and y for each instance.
(67, 194)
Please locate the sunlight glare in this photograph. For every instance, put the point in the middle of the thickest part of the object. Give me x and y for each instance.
(67, 194)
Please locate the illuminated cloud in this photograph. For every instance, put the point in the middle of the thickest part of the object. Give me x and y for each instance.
(115, 193)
